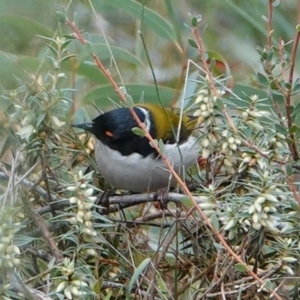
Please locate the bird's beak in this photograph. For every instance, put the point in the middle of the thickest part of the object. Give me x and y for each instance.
(85, 126)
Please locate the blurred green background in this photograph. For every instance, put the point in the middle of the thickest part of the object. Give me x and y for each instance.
(231, 28)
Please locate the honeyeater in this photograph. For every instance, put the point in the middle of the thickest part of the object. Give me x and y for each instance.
(128, 161)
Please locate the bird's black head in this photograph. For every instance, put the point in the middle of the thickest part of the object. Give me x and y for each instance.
(114, 129)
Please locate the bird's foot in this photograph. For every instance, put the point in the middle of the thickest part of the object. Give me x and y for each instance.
(103, 201)
(162, 198)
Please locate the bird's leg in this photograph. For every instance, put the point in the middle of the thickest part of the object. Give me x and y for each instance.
(103, 201)
(162, 198)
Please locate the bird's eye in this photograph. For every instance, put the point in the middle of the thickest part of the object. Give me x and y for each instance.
(109, 133)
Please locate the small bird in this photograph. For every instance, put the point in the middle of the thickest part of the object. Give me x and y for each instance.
(128, 161)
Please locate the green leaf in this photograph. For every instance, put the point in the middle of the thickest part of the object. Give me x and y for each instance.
(161, 146)
(241, 268)
(143, 265)
(278, 98)
(289, 169)
(194, 22)
(269, 285)
(280, 129)
(219, 103)
(138, 131)
(215, 221)
(103, 95)
(150, 18)
(193, 43)
(296, 87)
(294, 129)
(262, 79)
(61, 17)
(242, 97)
(218, 246)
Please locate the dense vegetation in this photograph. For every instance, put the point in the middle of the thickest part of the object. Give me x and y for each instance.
(233, 233)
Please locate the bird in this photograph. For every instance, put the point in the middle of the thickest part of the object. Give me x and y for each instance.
(128, 161)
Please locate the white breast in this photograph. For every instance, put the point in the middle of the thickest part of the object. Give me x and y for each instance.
(141, 174)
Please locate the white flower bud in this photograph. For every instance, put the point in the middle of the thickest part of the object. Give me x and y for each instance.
(227, 162)
(199, 98)
(61, 286)
(245, 115)
(251, 209)
(88, 205)
(205, 143)
(247, 223)
(91, 252)
(255, 218)
(287, 269)
(205, 114)
(224, 146)
(197, 113)
(279, 145)
(233, 147)
(280, 136)
(12, 249)
(230, 140)
(16, 261)
(255, 114)
(79, 283)
(205, 153)
(89, 192)
(73, 200)
(258, 206)
(205, 100)
(83, 185)
(207, 205)
(88, 223)
(289, 259)
(230, 224)
(73, 221)
(271, 198)
(71, 188)
(203, 107)
(68, 293)
(75, 291)
(260, 200)
(256, 226)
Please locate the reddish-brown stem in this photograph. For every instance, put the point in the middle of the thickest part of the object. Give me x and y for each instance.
(286, 93)
(294, 149)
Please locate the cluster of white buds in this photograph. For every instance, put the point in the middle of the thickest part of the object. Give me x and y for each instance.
(71, 288)
(8, 251)
(261, 210)
(251, 159)
(229, 219)
(228, 147)
(205, 101)
(208, 144)
(84, 201)
(208, 206)
(25, 129)
(252, 114)
(278, 145)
